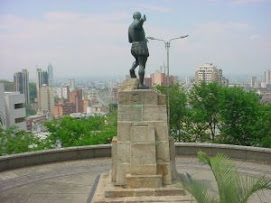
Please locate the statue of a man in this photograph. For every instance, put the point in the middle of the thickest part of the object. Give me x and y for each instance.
(139, 48)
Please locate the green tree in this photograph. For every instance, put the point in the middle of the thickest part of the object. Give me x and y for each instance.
(239, 112)
(232, 188)
(178, 109)
(263, 132)
(89, 131)
(204, 101)
(32, 91)
(14, 141)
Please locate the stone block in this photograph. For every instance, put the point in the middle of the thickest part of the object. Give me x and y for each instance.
(162, 99)
(124, 129)
(130, 112)
(150, 97)
(123, 152)
(164, 169)
(161, 131)
(143, 154)
(130, 84)
(139, 96)
(154, 113)
(142, 134)
(162, 152)
(143, 169)
(122, 170)
(114, 159)
(143, 181)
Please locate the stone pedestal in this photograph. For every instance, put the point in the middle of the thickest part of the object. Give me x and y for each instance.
(143, 156)
(142, 147)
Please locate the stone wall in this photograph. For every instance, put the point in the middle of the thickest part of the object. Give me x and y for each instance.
(88, 152)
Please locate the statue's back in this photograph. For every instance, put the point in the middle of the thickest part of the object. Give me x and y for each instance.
(136, 32)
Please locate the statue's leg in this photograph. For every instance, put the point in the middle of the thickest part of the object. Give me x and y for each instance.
(132, 70)
(141, 72)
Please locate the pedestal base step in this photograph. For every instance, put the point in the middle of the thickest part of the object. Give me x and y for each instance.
(107, 192)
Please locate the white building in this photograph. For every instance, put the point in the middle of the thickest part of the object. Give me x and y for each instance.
(13, 104)
(63, 92)
(208, 73)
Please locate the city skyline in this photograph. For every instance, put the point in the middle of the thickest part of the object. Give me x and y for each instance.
(89, 38)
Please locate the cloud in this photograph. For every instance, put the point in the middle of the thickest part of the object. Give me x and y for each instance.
(88, 43)
(249, 1)
(220, 27)
(162, 9)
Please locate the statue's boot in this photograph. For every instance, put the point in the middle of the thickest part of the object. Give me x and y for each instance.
(132, 73)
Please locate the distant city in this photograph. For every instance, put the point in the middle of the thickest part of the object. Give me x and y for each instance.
(27, 104)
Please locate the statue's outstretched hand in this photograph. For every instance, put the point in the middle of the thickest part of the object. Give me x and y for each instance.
(144, 17)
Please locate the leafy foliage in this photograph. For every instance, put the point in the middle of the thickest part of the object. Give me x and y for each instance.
(231, 186)
(32, 91)
(90, 131)
(15, 141)
(214, 113)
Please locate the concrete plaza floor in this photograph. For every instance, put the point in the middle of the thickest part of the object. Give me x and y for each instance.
(71, 181)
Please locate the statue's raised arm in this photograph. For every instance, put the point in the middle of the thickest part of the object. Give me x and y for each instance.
(139, 50)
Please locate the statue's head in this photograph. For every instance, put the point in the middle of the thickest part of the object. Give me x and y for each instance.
(137, 15)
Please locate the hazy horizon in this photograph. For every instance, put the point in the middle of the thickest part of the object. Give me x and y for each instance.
(89, 38)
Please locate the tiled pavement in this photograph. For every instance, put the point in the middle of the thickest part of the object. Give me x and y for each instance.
(71, 181)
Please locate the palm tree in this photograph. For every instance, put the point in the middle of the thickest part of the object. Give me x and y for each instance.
(232, 188)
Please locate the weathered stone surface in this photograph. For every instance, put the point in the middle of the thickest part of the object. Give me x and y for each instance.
(154, 113)
(123, 152)
(174, 173)
(163, 152)
(153, 191)
(130, 84)
(162, 99)
(114, 159)
(124, 129)
(130, 113)
(143, 143)
(146, 97)
(165, 170)
(142, 154)
(122, 170)
(143, 181)
(148, 169)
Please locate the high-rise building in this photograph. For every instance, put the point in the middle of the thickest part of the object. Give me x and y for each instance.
(21, 82)
(253, 81)
(63, 92)
(158, 78)
(63, 108)
(209, 73)
(50, 75)
(46, 100)
(12, 109)
(267, 77)
(76, 97)
(71, 83)
(42, 78)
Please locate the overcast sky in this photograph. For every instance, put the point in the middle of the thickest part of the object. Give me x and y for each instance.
(89, 37)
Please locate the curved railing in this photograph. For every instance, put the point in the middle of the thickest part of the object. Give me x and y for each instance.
(87, 152)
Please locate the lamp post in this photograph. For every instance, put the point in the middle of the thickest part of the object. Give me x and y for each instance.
(167, 46)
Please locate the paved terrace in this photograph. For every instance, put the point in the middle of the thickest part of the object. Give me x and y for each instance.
(71, 180)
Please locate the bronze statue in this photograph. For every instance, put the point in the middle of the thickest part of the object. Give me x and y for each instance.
(139, 48)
